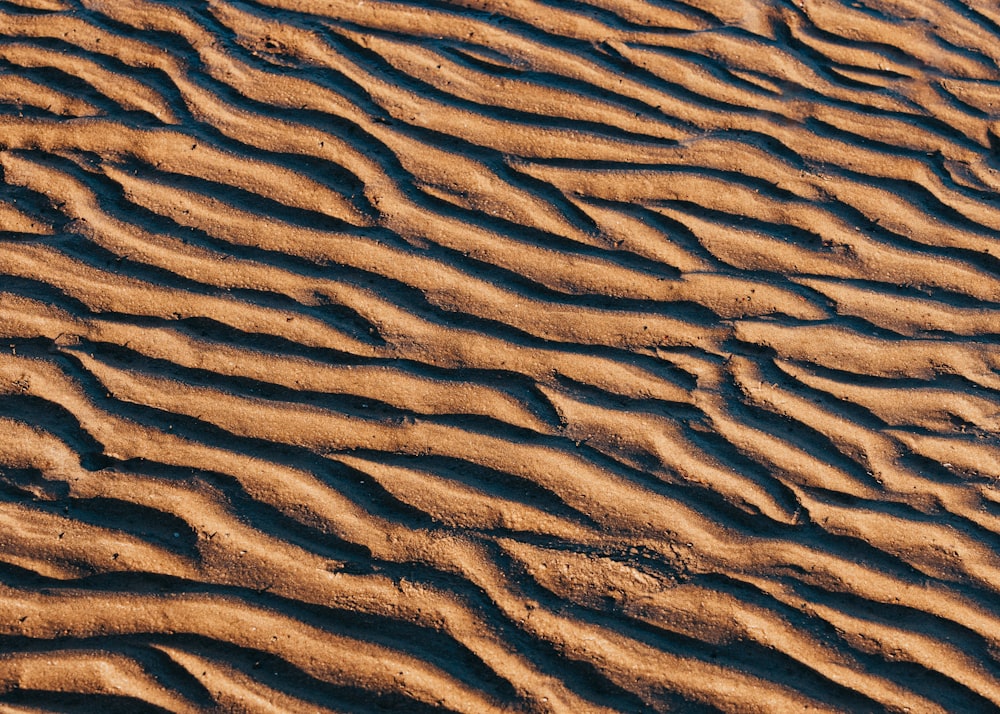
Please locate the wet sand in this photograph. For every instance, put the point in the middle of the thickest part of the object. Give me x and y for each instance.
(525, 356)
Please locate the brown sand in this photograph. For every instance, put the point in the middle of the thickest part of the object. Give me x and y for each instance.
(482, 356)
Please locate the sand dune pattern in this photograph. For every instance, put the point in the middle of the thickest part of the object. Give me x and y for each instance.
(482, 356)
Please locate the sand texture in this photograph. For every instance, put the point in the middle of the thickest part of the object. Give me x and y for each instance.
(499, 356)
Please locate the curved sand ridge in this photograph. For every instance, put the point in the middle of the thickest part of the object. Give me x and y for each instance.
(523, 356)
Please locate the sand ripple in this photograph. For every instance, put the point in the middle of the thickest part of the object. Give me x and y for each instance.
(618, 355)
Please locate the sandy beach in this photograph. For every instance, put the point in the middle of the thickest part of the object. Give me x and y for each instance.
(499, 356)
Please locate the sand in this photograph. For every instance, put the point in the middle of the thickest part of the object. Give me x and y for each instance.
(499, 356)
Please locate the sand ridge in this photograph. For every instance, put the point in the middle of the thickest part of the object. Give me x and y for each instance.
(482, 356)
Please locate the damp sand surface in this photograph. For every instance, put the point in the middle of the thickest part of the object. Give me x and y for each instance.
(526, 356)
